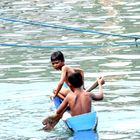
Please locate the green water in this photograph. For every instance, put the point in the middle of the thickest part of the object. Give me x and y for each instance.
(27, 78)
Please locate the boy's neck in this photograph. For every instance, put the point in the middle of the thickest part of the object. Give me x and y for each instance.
(78, 90)
(62, 66)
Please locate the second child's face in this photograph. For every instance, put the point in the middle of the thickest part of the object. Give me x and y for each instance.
(57, 64)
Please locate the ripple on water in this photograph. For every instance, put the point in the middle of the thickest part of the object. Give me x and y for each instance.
(116, 64)
(124, 56)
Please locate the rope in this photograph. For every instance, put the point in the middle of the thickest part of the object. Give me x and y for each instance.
(74, 47)
(67, 28)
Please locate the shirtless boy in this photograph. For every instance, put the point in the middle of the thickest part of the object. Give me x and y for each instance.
(79, 100)
(58, 63)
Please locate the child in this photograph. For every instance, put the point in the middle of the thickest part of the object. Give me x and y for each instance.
(58, 63)
(79, 100)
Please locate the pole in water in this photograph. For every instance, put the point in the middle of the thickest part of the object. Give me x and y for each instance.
(136, 42)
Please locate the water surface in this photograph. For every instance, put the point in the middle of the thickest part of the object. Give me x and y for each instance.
(27, 78)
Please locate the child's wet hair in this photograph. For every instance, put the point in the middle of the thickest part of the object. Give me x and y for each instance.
(58, 55)
(75, 79)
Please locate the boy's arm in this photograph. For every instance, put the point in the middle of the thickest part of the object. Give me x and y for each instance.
(98, 96)
(62, 79)
(61, 109)
(52, 120)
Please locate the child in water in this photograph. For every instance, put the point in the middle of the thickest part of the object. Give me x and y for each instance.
(79, 100)
(58, 63)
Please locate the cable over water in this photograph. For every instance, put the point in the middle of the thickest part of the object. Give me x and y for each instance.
(75, 47)
(68, 28)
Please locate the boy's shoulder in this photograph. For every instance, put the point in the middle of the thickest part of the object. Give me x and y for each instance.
(70, 95)
(66, 67)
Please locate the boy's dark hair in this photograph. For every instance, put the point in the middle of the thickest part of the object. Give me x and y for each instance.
(58, 55)
(75, 79)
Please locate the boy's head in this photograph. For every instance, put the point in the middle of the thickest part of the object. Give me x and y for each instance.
(58, 55)
(57, 60)
(75, 79)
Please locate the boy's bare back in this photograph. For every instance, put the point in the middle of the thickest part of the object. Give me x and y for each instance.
(80, 102)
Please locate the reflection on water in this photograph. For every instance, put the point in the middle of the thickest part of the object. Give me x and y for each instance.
(27, 78)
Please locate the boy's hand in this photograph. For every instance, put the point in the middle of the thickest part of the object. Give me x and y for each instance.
(51, 98)
(101, 81)
(54, 92)
(50, 122)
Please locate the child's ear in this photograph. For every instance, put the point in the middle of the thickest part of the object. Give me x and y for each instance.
(70, 85)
